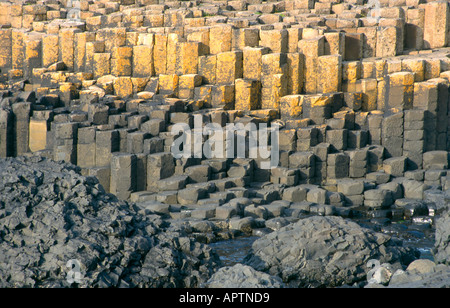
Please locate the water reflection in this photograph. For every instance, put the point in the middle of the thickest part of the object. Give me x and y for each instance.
(235, 250)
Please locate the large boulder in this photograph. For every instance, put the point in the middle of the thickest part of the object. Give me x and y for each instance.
(60, 229)
(324, 252)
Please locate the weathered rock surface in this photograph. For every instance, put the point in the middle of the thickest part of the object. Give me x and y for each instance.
(324, 252)
(50, 214)
(243, 276)
(437, 276)
(442, 236)
(422, 273)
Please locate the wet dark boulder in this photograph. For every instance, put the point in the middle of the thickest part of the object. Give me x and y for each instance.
(324, 252)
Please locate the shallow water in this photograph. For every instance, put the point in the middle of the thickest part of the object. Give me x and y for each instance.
(424, 244)
(235, 250)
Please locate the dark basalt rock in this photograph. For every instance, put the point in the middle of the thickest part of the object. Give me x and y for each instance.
(50, 215)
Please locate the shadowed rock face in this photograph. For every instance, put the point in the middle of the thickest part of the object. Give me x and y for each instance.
(323, 251)
(49, 215)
